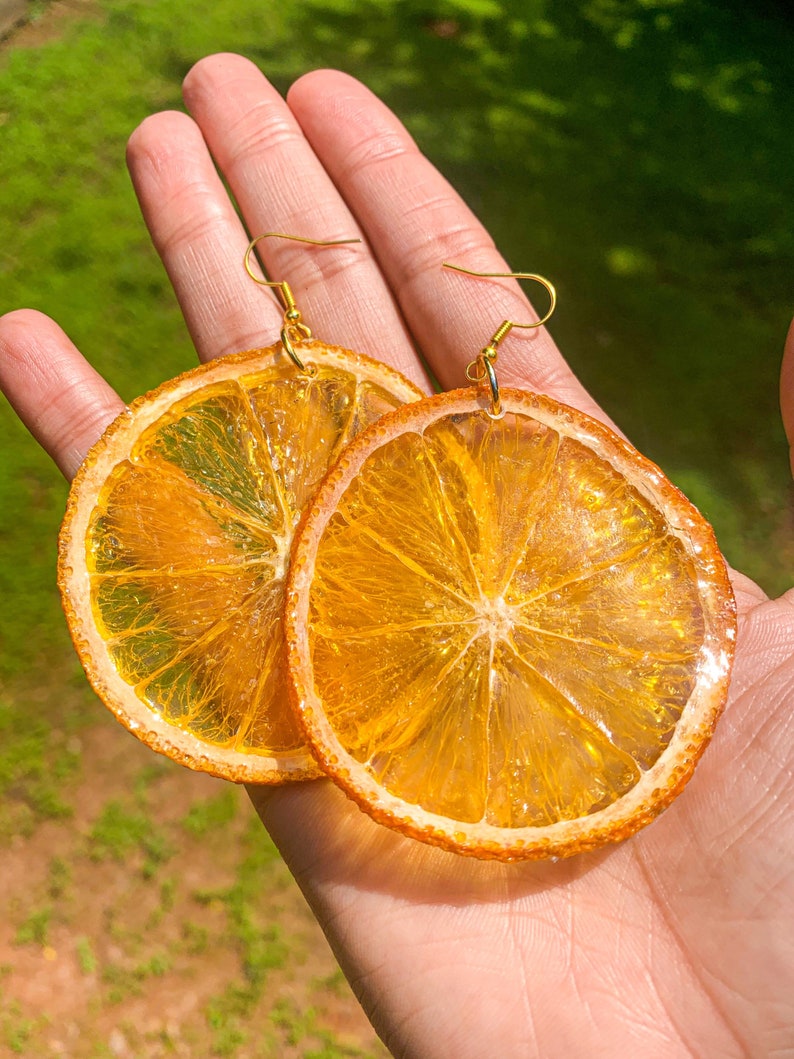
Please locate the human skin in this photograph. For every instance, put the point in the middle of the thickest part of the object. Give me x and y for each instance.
(677, 942)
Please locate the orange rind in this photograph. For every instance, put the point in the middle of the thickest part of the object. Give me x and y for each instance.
(510, 638)
(176, 541)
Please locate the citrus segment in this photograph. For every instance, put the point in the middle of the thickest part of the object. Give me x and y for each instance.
(176, 542)
(508, 637)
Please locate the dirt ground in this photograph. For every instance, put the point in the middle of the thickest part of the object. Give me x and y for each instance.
(146, 914)
(157, 920)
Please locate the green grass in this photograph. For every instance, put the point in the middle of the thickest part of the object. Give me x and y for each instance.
(86, 958)
(212, 814)
(120, 832)
(34, 930)
(17, 1031)
(38, 762)
(59, 884)
(637, 152)
(227, 1015)
(123, 980)
(261, 945)
(302, 1028)
(195, 938)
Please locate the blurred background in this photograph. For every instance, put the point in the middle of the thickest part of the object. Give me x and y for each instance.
(638, 152)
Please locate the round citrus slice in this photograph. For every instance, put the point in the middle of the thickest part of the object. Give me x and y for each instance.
(176, 541)
(507, 637)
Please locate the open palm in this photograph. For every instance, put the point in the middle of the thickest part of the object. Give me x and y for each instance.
(674, 943)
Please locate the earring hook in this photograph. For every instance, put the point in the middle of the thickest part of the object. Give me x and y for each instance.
(482, 366)
(294, 329)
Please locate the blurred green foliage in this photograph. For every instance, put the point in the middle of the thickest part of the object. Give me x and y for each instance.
(636, 151)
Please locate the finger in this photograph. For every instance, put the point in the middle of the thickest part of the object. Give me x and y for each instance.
(414, 221)
(56, 393)
(199, 237)
(279, 185)
(787, 392)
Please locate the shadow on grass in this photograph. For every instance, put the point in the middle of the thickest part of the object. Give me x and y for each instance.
(638, 153)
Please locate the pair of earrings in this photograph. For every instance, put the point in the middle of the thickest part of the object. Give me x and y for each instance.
(509, 634)
(499, 628)
(294, 330)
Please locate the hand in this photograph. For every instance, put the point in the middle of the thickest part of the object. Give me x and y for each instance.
(674, 943)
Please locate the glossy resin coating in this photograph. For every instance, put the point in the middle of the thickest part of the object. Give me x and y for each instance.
(176, 544)
(509, 622)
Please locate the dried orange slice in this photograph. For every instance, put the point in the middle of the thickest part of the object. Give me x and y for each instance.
(507, 637)
(176, 540)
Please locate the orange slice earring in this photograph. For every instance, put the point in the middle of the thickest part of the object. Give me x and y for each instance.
(176, 542)
(509, 634)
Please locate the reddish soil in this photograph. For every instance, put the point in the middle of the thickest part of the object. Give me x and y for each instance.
(137, 959)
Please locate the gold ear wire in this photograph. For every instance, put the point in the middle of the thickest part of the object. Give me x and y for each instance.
(294, 329)
(482, 366)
